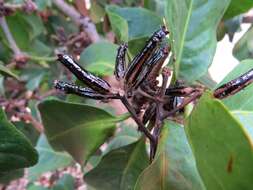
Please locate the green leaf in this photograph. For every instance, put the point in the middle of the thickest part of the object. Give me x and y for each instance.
(28, 130)
(78, 129)
(242, 100)
(135, 18)
(15, 150)
(174, 165)
(126, 136)
(19, 28)
(6, 177)
(222, 147)
(119, 25)
(7, 72)
(35, 23)
(99, 58)
(238, 7)
(67, 182)
(49, 160)
(246, 119)
(158, 6)
(193, 25)
(243, 49)
(136, 45)
(120, 168)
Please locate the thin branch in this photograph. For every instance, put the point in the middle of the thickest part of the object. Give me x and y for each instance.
(194, 96)
(85, 22)
(136, 119)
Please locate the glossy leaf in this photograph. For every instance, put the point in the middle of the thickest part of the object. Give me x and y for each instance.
(120, 168)
(238, 7)
(119, 25)
(243, 49)
(99, 58)
(49, 160)
(78, 129)
(15, 150)
(193, 31)
(28, 130)
(174, 165)
(126, 136)
(6, 177)
(221, 145)
(242, 100)
(134, 17)
(35, 23)
(246, 119)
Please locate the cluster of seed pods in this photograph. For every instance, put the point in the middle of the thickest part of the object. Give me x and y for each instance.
(148, 103)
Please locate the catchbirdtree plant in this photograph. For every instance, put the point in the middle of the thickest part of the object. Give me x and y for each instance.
(141, 111)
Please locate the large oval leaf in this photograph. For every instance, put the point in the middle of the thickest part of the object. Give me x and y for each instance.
(99, 58)
(222, 147)
(120, 168)
(76, 128)
(15, 149)
(135, 18)
(243, 100)
(246, 118)
(193, 25)
(49, 160)
(174, 166)
(238, 7)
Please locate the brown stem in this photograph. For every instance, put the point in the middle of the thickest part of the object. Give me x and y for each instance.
(136, 119)
(194, 96)
(85, 22)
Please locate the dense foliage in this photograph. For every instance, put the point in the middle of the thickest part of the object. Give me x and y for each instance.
(208, 145)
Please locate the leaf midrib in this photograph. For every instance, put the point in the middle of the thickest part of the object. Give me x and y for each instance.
(88, 124)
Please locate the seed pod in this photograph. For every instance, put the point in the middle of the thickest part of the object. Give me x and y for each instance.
(234, 86)
(157, 59)
(70, 88)
(180, 91)
(136, 64)
(86, 77)
(149, 113)
(120, 65)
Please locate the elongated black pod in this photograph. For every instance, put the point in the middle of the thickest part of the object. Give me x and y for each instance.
(234, 86)
(86, 77)
(70, 88)
(149, 113)
(135, 66)
(157, 59)
(120, 66)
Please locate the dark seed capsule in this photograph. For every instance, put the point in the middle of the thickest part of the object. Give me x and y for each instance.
(157, 59)
(70, 88)
(234, 86)
(149, 113)
(86, 77)
(157, 67)
(136, 65)
(120, 65)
